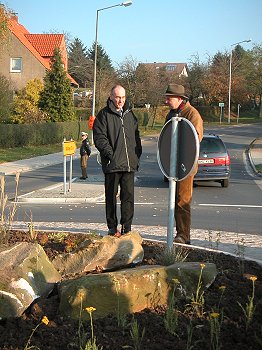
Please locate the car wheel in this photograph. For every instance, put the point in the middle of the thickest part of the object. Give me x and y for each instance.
(225, 183)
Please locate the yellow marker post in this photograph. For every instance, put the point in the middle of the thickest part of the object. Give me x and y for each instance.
(69, 148)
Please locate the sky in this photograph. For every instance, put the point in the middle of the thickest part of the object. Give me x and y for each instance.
(148, 30)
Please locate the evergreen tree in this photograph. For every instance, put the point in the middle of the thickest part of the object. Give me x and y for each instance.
(56, 97)
(79, 65)
(105, 74)
(103, 61)
(4, 17)
(6, 99)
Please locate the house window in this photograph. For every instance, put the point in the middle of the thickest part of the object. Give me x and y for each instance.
(171, 67)
(16, 64)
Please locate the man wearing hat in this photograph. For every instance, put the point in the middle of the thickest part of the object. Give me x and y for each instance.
(85, 151)
(178, 103)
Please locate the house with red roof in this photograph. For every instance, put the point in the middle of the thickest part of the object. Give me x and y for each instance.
(26, 56)
(179, 69)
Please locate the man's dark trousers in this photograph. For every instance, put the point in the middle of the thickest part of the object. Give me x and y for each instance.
(126, 182)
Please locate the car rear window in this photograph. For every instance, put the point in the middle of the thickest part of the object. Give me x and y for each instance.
(211, 145)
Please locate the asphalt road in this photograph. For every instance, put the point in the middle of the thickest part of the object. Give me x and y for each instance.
(234, 209)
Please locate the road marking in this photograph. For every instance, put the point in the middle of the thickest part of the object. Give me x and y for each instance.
(231, 205)
(145, 203)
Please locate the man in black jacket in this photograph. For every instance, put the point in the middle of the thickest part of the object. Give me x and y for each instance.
(85, 151)
(116, 137)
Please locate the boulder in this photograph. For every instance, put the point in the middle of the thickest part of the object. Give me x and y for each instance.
(131, 290)
(101, 254)
(26, 273)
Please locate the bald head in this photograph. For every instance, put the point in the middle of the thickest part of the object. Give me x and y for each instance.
(118, 96)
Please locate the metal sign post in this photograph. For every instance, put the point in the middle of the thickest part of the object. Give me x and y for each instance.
(238, 111)
(178, 150)
(69, 148)
(221, 105)
(172, 182)
(64, 175)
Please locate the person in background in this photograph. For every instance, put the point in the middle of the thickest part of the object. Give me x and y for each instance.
(179, 104)
(85, 151)
(116, 137)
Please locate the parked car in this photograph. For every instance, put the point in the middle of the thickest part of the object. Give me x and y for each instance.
(213, 161)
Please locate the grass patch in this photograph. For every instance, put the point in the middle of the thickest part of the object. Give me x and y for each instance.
(149, 130)
(259, 168)
(18, 153)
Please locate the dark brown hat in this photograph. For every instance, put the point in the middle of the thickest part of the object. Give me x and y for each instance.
(176, 90)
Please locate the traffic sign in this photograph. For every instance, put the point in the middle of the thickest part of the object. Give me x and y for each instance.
(187, 149)
(178, 149)
(221, 104)
(69, 148)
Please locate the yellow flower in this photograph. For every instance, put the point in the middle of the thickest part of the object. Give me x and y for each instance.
(176, 281)
(222, 288)
(202, 265)
(45, 320)
(253, 278)
(214, 314)
(90, 309)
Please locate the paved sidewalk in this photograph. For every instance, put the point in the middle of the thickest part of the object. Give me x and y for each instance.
(247, 246)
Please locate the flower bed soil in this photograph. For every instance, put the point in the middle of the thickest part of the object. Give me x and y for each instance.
(62, 333)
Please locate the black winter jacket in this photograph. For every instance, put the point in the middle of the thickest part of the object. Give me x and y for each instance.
(85, 148)
(116, 137)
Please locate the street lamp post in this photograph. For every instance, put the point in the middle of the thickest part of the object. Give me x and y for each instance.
(230, 75)
(125, 3)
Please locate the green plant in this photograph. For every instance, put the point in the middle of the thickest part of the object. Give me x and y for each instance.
(218, 239)
(84, 342)
(31, 228)
(91, 343)
(171, 255)
(197, 300)
(136, 335)
(7, 219)
(6, 99)
(222, 290)
(58, 236)
(249, 309)
(189, 345)
(259, 168)
(171, 315)
(259, 337)
(121, 318)
(240, 252)
(58, 106)
(32, 231)
(215, 322)
(25, 104)
(45, 321)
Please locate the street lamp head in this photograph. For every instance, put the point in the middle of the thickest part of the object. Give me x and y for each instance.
(240, 42)
(126, 3)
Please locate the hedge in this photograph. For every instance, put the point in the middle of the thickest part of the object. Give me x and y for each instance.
(19, 135)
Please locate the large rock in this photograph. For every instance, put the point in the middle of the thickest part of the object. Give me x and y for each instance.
(101, 254)
(131, 290)
(26, 273)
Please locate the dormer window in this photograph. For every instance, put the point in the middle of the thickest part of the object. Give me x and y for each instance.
(16, 64)
(171, 67)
